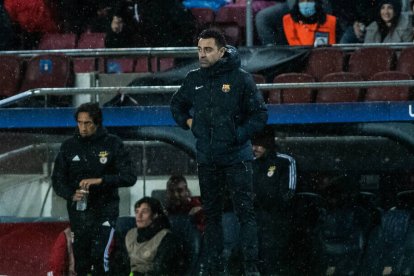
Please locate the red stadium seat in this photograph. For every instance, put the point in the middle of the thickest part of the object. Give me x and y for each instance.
(120, 65)
(323, 61)
(11, 75)
(90, 41)
(232, 14)
(141, 65)
(389, 93)
(405, 61)
(51, 41)
(48, 71)
(339, 94)
(203, 16)
(292, 95)
(162, 64)
(371, 60)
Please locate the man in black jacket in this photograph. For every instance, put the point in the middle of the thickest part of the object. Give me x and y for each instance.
(274, 183)
(95, 163)
(219, 102)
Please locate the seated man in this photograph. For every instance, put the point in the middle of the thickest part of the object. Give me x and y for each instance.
(151, 247)
(180, 201)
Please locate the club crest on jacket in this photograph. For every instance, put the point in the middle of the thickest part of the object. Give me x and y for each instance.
(225, 88)
(103, 157)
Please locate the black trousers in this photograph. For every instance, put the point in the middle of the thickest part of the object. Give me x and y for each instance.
(91, 243)
(237, 178)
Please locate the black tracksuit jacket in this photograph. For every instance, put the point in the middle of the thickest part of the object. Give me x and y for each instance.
(226, 107)
(100, 156)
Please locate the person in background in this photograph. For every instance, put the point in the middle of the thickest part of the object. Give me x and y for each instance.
(274, 183)
(390, 26)
(89, 169)
(221, 105)
(308, 24)
(151, 246)
(180, 201)
(119, 35)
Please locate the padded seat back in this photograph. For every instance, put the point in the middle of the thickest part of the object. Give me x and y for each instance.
(371, 60)
(11, 75)
(389, 93)
(323, 61)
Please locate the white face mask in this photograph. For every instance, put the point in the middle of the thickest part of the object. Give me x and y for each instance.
(307, 9)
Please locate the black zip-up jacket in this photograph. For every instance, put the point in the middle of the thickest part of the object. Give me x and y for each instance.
(101, 155)
(226, 108)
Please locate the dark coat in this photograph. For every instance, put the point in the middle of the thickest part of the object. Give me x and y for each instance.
(274, 181)
(228, 110)
(100, 156)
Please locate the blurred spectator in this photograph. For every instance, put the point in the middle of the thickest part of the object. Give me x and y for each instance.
(161, 23)
(274, 183)
(152, 248)
(309, 24)
(353, 17)
(180, 201)
(32, 18)
(119, 35)
(99, 22)
(269, 23)
(8, 39)
(390, 26)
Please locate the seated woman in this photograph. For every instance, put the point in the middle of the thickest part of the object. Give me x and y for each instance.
(307, 24)
(151, 247)
(390, 26)
(180, 201)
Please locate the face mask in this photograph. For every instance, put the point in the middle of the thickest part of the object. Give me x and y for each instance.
(307, 8)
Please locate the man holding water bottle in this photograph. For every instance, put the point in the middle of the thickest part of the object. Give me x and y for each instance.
(89, 169)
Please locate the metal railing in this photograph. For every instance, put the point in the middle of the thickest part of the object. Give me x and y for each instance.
(96, 91)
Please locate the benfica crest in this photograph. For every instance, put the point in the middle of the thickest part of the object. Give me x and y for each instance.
(103, 157)
(225, 88)
(271, 171)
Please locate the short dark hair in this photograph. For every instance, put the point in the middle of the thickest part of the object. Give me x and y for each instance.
(153, 203)
(216, 34)
(93, 110)
(172, 184)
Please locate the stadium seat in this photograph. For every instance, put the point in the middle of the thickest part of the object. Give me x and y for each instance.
(389, 93)
(51, 41)
(292, 95)
(48, 71)
(232, 14)
(339, 94)
(51, 71)
(141, 65)
(323, 61)
(371, 60)
(405, 61)
(120, 65)
(11, 75)
(90, 41)
(203, 16)
(159, 64)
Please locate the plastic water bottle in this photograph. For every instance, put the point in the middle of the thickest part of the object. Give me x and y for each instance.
(82, 204)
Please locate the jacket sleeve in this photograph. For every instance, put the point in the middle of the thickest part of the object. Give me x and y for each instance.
(181, 104)
(254, 111)
(125, 170)
(290, 31)
(60, 176)
(166, 263)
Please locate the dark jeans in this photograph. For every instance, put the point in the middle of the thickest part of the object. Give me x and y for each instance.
(237, 178)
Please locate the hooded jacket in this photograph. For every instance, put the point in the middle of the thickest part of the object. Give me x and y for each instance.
(226, 108)
(400, 31)
(101, 155)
